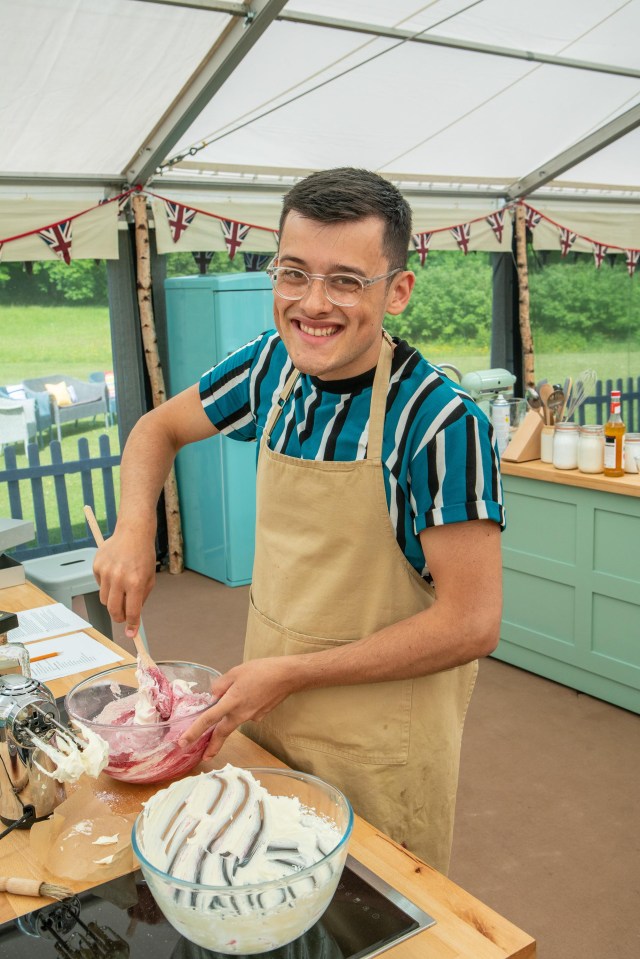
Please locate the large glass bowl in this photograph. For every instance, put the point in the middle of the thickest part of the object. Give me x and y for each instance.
(253, 918)
(141, 753)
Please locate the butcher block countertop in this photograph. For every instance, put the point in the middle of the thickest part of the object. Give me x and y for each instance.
(627, 485)
(465, 927)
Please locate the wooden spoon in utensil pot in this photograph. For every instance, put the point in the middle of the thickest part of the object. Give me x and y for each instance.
(163, 699)
(556, 403)
(545, 390)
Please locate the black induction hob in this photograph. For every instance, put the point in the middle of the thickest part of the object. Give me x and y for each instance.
(121, 920)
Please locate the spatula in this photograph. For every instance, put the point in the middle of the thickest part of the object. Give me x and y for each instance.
(164, 693)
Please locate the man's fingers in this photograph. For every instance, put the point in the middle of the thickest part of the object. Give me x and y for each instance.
(200, 726)
(218, 736)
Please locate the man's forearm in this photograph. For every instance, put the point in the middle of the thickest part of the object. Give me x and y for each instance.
(146, 462)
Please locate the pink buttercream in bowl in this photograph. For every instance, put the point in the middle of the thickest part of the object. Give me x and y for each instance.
(120, 705)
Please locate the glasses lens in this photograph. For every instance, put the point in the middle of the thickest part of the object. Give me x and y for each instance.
(292, 284)
(343, 289)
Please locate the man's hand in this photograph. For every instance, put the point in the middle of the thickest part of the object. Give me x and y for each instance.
(125, 569)
(249, 691)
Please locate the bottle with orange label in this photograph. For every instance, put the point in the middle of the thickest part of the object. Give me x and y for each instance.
(614, 433)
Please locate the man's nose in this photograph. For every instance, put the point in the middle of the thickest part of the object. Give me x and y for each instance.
(315, 299)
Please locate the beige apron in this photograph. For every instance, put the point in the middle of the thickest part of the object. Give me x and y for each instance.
(328, 570)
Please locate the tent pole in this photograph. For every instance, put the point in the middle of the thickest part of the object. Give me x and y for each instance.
(154, 367)
(523, 297)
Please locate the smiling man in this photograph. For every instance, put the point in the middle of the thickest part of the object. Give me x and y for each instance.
(377, 570)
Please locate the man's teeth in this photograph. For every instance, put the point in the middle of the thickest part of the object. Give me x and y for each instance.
(318, 331)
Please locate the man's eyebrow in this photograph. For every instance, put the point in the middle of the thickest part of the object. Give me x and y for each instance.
(337, 267)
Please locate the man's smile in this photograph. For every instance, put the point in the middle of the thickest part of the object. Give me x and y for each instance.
(316, 330)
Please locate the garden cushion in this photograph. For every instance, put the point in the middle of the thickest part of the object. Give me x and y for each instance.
(60, 393)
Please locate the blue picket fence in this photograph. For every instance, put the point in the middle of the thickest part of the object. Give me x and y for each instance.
(595, 408)
(94, 472)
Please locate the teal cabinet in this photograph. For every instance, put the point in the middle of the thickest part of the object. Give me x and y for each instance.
(208, 317)
(571, 573)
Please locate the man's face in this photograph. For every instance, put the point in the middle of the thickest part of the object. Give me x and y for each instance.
(322, 339)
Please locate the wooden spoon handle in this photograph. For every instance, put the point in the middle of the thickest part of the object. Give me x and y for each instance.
(99, 538)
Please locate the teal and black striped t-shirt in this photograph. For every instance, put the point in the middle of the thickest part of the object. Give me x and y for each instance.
(439, 461)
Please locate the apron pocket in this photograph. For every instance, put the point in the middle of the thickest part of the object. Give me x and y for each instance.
(368, 723)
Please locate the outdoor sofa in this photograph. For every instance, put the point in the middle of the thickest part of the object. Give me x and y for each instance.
(69, 399)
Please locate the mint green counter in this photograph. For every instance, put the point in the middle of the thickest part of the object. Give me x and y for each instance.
(571, 559)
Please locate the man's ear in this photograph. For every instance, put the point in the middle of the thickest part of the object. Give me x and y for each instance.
(400, 292)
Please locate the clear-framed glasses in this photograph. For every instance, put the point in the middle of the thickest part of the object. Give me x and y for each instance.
(342, 289)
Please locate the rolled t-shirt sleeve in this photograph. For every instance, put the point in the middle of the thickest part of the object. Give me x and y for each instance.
(225, 393)
(462, 473)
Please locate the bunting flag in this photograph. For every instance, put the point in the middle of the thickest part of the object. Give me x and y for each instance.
(567, 239)
(496, 222)
(599, 253)
(461, 235)
(533, 218)
(203, 259)
(58, 239)
(179, 217)
(632, 261)
(234, 235)
(254, 262)
(421, 242)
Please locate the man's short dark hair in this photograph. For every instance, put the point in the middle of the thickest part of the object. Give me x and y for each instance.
(346, 193)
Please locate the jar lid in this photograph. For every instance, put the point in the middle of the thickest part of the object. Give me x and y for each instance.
(593, 428)
(632, 438)
(566, 426)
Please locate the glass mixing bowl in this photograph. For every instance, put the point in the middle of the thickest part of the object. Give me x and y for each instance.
(257, 917)
(142, 753)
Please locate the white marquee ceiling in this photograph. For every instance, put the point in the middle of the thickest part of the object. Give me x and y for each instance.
(466, 102)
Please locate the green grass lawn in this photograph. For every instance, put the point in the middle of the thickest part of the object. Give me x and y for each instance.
(553, 365)
(45, 340)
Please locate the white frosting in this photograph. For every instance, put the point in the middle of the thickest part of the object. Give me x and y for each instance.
(224, 829)
(106, 840)
(71, 759)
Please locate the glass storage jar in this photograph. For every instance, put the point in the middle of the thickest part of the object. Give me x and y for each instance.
(591, 449)
(546, 444)
(565, 446)
(631, 457)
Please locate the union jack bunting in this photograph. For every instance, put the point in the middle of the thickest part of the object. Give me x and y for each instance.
(533, 218)
(421, 242)
(203, 259)
(254, 262)
(633, 256)
(58, 239)
(461, 235)
(179, 217)
(599, 253)
(234, 235)
(122, 201)
(567, 239)
(496, 222)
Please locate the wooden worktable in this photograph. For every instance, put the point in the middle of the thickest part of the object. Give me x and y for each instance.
(627, 485)
(465, 929)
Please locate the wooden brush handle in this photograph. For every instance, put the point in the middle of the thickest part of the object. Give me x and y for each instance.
(20, 887)
(99, 538)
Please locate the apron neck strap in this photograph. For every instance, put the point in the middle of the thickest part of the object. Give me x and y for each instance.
(278, 406)
(378, 400)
